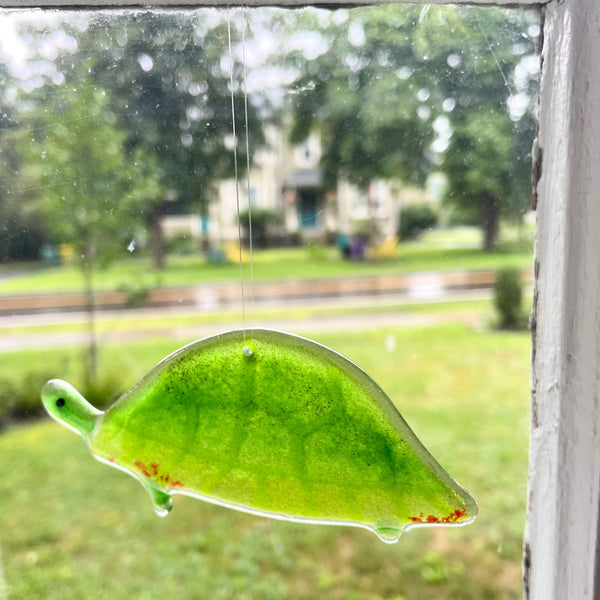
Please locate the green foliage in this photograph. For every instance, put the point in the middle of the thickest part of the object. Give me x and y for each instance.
(430, 92)
(508, 298)
(182, 245)
(415, 219)
(136, 294)
(21, 232)
(20, 393)
(263, 220)
(461, 216)
(365, 114)
(20, 396)
(166, 103)
(488, 157)
(138, 288)
(104, 390)
(90, 189)
(170, 92)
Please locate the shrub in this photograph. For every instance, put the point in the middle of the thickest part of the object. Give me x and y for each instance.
(103, 392)
(508, 297)
(139, 289)
(20, 399)
(182, 245)
(416, 218)
(263, 219)
(20, 396)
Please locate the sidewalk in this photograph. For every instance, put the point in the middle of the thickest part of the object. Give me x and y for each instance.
(353, 322)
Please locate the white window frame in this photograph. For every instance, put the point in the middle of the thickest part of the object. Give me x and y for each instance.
(561, 556)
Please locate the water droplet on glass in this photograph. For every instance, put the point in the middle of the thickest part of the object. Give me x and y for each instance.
(145, 62)
(454, 61)
(423, 94)
(390, 342)
(448, 104)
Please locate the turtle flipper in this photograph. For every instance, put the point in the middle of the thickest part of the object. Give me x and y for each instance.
(161, 500)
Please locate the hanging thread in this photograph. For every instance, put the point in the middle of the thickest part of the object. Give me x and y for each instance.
(250, 240)
(235, 171)
(247, 350)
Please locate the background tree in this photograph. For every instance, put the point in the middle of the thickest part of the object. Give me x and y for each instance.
(361, 95)
(91, 188)
(169, 79)
(402, 91)
(486, 68)
(21, 234)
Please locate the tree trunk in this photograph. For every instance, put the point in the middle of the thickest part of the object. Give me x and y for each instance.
(4, 247)
(91, 356)
(158, 239)
(204, 236)
(490, 222)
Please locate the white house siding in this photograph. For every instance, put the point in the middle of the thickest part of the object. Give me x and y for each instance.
(343, 211)
(189, 225)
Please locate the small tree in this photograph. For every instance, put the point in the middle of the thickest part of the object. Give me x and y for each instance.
(89, 189)
(171, 94)
(416, 218)
(262, 220)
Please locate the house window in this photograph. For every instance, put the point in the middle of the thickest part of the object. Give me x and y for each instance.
(561, 551)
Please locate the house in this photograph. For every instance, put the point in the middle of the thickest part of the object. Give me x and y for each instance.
(287, 179)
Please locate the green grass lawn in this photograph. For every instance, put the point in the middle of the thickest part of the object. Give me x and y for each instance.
(438, 250)
(71, 528)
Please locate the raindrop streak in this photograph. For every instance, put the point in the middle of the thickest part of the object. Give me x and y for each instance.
(491, 49)
(390, 343)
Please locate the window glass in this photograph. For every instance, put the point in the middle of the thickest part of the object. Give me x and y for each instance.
(389, 152)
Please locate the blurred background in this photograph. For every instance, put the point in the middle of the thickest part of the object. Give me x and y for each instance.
(381, 207)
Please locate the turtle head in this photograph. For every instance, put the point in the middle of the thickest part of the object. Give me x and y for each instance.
(65, 404)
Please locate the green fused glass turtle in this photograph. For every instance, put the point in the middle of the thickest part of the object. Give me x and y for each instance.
(273, 424)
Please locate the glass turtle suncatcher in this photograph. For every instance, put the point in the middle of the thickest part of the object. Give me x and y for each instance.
(273, 424)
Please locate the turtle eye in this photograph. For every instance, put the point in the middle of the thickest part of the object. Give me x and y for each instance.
(60, 402)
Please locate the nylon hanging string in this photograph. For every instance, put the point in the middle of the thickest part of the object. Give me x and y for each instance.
(235, 171)
(250, 242)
